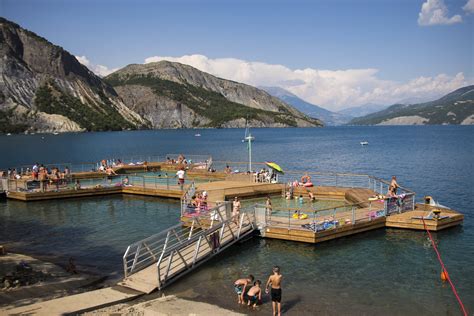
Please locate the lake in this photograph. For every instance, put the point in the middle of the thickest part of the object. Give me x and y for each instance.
(386, 271)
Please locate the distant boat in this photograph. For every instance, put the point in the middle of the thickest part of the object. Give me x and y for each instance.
(55, 133)
(9, 134)
(364, 143)
(197, 135)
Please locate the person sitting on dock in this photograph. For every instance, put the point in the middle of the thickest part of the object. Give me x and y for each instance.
(126, 181)
(305, 179)
(204, 201)
(227, 169)
(240, 286)
(77, 186)
(254, 294)
(110, 172)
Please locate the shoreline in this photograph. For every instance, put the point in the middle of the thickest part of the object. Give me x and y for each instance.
(44, 280)
(59, 283)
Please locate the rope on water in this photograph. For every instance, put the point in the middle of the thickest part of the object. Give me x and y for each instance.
(445, 271)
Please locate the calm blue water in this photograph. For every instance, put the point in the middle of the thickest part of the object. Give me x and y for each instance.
(386, 271)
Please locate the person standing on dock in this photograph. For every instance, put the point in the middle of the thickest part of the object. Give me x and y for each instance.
(394, 185)
(180, 174)
(236, 209)
(275, 282)
(268, 207)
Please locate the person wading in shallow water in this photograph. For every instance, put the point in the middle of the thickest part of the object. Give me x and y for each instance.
(240, 287)
(275, 282)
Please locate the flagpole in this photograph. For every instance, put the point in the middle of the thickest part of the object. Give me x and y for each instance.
(250, 152)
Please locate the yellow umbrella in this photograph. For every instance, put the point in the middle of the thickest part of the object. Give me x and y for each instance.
(274, 166)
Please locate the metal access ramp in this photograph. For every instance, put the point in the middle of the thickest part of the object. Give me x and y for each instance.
(156, 261)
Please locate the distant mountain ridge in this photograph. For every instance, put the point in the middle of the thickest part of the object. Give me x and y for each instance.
(312, 110)
(363, 110)
(454, 108)
(174, 95)
(44, 88)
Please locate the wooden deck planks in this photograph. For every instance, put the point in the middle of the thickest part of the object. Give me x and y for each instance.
(406, 220)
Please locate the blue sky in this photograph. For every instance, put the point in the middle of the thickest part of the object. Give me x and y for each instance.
(324, 35)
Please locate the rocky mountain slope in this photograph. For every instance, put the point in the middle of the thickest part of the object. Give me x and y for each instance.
(43, 88)
(312, 110)
(173, 95)
(456, 107)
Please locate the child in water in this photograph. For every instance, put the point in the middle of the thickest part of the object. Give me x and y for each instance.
(240, 285)
(254, 295)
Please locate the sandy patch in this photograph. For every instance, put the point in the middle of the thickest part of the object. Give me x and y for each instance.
(169, 305)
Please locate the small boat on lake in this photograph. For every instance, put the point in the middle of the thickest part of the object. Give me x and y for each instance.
(364, 143)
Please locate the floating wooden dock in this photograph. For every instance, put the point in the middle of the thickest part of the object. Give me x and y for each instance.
(412, 220)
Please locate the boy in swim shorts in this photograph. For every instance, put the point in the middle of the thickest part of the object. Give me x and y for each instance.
(275, 282)
(254, 295)
(240, 286)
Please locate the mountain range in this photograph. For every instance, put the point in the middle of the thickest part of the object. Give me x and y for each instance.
(363, 110)
(174, 95)
(456, 107)
(44, 88)
(328, 117)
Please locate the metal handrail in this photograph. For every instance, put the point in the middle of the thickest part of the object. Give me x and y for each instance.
(391, 205)
(161, 246)
(199, 242)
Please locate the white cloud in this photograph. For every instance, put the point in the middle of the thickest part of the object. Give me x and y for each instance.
(99, 70)
(435, 12)
(333, 89)
(469, 6)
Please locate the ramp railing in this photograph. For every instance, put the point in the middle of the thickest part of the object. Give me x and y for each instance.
(179, 249)
(187, 197)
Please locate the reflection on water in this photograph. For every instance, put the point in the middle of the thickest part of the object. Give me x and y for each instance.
(95, 231)
(386, 271)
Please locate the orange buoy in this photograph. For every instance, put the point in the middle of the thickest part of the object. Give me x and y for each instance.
(444, 276)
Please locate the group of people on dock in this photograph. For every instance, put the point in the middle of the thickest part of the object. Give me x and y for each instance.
(198, 203)
(46, 177)
(250, 291)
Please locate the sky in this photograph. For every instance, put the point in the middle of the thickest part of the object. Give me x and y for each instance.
(334, 53)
